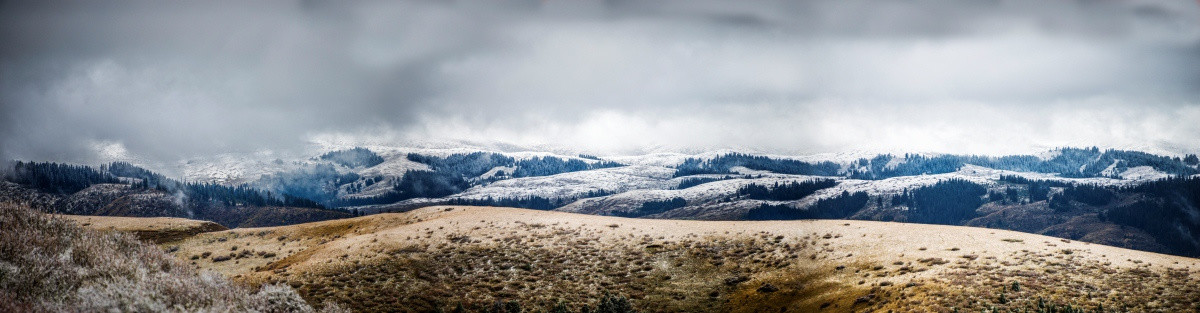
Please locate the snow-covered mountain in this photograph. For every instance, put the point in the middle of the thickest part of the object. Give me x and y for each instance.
(582, 183)
(1110, 196)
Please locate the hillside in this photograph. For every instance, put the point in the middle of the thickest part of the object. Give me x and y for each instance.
(1109, 197)
(130, 201)
(1114, 197)
(152, 229)
(440, 257)
(386, 178)
(49, 264)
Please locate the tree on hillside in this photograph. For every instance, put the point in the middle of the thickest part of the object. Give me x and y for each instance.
(947, 202)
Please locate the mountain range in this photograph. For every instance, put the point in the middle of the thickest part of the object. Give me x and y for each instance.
(1123, 198)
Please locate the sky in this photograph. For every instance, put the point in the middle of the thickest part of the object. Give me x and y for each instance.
(166, 80)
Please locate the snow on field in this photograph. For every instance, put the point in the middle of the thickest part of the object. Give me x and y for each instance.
(246, 168)
(1111, 169)
(994, 174)
(706, 193)
(1048, 154)
(1143, 173)
(655, 159)
(674, 159)
(747, 171)
(233, 169)
(647, 177)
(575, 184)
(395, 163)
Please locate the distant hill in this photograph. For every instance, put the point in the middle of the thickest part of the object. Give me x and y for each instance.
(121, 189)
(1125, 198)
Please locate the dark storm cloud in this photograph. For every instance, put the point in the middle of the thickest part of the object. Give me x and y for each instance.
(164, 80)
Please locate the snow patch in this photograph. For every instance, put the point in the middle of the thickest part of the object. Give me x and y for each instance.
(747, 171)
(499, 170)
(1143, 173)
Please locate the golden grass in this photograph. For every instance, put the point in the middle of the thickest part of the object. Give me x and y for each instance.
(436, 258)
(154, 229)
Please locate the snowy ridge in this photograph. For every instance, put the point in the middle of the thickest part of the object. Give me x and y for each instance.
(642, 178)
(575, 184)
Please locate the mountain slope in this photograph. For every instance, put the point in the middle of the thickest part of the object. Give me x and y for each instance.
(124, 200)
(439, 257)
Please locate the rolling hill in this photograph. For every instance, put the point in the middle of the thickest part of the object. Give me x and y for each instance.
(438, 258)
(152, 229)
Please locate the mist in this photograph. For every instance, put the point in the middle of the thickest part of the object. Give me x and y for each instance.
(155, 81)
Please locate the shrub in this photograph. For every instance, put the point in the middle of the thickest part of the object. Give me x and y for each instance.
(51, 265)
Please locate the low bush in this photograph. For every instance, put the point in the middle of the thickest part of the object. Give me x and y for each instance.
(51, 265)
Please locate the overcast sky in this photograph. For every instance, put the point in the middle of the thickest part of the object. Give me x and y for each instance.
(164, 80)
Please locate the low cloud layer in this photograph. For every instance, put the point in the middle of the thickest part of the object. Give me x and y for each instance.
(162, 81)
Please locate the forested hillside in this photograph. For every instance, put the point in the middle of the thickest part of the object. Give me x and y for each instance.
(122, 189)
(1108, 196)
(1067, 162)
(1163, 212)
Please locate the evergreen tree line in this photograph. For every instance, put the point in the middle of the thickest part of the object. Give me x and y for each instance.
(948, 202)
(148, 178)
(546, 166)
(1025, 181)
(472, 165)
(319, 182)
(696, 181)
(1168, 213)
(413, 184)
(450, 175)
(1088, 194)
(356, 157)
(1036, 189)
(723, 163)
(1166, 209)
(1068, 162)
(243, 195)
(457, 172)
(1009, 194)
(785, 192)
(357, 187)
(468, 165)
(654, 207)
(68, 179)
(842, 206)
(915, 164)
(58, 178)
(426, 184)
(529, 202)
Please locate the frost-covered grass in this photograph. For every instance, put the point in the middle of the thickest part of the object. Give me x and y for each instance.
(49, 264)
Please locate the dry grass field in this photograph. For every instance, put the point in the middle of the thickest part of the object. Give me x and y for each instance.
(438, 258)
(154, 229)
